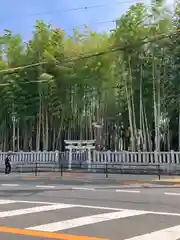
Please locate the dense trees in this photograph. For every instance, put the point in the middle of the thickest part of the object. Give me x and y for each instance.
(121, 88)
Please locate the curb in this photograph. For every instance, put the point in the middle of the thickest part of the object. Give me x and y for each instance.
(142, 183)
(167, 183)
(106, 181)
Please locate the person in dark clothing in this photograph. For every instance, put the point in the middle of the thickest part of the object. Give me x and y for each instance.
(7, 165)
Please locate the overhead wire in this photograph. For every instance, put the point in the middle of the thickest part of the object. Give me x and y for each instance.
(90, 24)
(71, 58)
(112, 3)
(77, 9)
(90, 55)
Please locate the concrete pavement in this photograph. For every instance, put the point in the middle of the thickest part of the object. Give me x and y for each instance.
(36, 209)
(81, 222)
(92, 179)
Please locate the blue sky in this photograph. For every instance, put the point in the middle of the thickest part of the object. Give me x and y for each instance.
(20, 16)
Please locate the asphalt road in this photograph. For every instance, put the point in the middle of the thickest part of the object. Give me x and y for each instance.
(42, 209)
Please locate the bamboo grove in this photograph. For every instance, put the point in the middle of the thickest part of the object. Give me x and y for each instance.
(121, 88)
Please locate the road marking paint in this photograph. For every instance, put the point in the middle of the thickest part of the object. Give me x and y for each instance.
(172, 193)
(36, 202)
(34, 210)
(100, 207)
(82, 221)
(10, 185)
(7, 201)
(172, 233)
(79, 188)
(170, 180)
(44, 186)
(127, 191)
(30, 178)
(46, 235)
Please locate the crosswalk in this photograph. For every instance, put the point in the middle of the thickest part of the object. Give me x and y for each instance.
(33, 218)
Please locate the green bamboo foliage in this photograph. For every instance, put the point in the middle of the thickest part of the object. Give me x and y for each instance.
(126, 98)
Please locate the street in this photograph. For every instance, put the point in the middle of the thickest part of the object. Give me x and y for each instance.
(49, 209)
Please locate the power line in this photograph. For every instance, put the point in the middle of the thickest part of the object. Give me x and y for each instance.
(76, 8)
(90, 55)
(23, 67)
(30, 82)
(79, 8)
(92, 23)
(83, 8)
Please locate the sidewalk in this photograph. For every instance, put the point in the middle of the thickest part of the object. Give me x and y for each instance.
(96, 178)
(168, 180)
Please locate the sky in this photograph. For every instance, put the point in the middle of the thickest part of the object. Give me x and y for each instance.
(19, 16)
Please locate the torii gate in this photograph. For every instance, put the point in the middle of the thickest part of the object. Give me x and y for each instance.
(79, 145)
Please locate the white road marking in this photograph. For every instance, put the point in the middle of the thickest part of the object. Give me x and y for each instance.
(36, 202)
(127, 191)
(172, 233)
(98, 207)
(44, 186)
(7, 201)
(10, 185)
(82, 221)
(34, 210)
(80, 188)
(172, 193)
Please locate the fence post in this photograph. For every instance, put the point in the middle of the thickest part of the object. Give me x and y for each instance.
(70, 159)
(57, 158)
(173, 162)
(156, 157)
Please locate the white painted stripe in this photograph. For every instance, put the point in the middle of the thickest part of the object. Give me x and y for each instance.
(79, 188)
(44, 186)
(36, 202)
(172, 233)
(34, 210)
(127, 191)
(82, 221)
(7, 201)
(10, 185)
(172, 194)
(100, 207)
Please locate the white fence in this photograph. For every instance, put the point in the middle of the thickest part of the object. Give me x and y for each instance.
(28, 161)
(137, 157)
(96, 157)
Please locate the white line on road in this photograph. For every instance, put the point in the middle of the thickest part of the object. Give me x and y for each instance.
(172, 193)
(98, 207)
(35, 202)
(79, 188)
(45, 186)
(172, 233)
(82, 221)
(34, 210)
(7, 201)
(127, 191)
(10, 185)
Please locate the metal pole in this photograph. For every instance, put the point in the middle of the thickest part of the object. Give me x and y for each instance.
(179, 133)
(159, 172)
(106, 170)
(14, 134)
(36, 169)
(61, 170)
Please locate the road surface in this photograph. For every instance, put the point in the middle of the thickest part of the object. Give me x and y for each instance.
(38, 209)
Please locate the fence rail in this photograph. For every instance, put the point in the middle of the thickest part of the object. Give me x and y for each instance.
(169, 162)
(96, 157)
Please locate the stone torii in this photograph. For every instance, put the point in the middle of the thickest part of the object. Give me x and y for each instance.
(79, 145)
